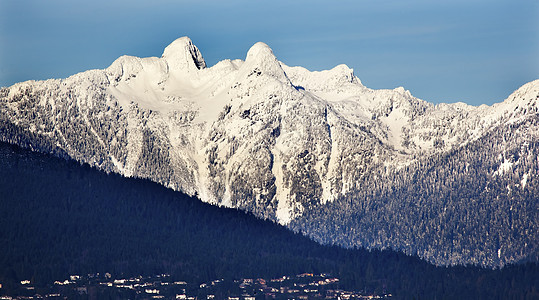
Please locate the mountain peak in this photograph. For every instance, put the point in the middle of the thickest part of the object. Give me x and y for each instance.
(284, 143)
(260, 58)
(260, 51)
(182, 54)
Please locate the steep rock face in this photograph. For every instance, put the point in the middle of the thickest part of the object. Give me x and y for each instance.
(317, 151)
(182, 55)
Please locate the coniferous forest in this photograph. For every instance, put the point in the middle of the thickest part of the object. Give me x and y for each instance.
(58, 217)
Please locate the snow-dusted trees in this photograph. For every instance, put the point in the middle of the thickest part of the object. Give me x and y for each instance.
(467, 206)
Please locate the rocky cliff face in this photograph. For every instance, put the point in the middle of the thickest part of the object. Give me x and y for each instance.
(311, 150)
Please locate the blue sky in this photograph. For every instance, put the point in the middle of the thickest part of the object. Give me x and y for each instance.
(442, 51)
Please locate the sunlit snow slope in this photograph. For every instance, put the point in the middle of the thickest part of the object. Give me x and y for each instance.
(258, 135)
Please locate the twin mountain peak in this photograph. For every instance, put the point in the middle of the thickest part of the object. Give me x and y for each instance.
(183, 58)
(284, 143)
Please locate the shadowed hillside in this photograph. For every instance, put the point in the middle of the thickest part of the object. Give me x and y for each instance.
(59, 218)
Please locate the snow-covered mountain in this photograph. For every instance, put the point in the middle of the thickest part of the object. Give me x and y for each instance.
(287, 144)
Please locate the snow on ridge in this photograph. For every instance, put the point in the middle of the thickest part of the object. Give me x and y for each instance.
(204, 115)
(258, 51)
(326, 80)
(255, 134)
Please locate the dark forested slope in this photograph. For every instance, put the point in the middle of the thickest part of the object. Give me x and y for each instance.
(59, 218)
